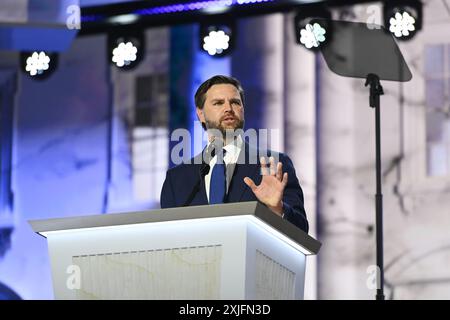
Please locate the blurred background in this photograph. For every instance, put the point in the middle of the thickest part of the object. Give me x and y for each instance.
(84, 131)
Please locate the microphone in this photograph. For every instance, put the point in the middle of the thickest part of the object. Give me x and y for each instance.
(208, 154)
(204, 169)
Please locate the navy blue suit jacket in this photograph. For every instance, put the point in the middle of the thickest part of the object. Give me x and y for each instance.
(180, 182)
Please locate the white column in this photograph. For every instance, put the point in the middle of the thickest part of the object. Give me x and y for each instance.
(258, 64)
(300, 131)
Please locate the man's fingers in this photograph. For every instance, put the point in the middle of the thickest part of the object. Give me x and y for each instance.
(264, 169)
(285, 179)
(250, 183)
(273, 171)
(279, 171)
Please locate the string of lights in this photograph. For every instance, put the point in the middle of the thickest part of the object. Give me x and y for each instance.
(403, 18)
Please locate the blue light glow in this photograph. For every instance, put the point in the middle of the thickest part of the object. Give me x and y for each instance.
(198, 5)
(207, 6)
(92, 18)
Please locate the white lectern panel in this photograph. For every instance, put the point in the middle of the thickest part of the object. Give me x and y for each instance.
(227, 251)
(212, 258)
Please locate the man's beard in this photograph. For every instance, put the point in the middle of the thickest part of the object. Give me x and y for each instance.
(218, 126)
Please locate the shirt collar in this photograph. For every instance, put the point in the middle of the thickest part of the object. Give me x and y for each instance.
(234, 147)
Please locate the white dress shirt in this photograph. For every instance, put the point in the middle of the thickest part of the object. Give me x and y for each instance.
(230, 159)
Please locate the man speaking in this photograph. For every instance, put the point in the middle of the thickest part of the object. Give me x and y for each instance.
(224, 172)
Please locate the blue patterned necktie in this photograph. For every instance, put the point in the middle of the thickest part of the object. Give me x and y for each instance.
(218, 183)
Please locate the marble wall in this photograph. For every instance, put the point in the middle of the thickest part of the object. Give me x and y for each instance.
(137, 172)
(59, 164)
(75, 152)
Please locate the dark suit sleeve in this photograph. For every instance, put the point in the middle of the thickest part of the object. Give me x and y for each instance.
(167, 198)
(293, 203)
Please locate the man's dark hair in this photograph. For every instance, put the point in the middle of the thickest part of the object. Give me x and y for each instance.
(200, 95)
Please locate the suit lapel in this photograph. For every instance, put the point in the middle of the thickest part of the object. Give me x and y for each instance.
(200, 197)
(243, 169)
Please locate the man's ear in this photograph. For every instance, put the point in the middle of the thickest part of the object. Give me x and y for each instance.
(200, 115)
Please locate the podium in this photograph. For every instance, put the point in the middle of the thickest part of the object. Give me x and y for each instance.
(227, 251)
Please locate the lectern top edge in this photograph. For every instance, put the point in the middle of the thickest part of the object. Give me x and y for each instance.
(253, 208)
